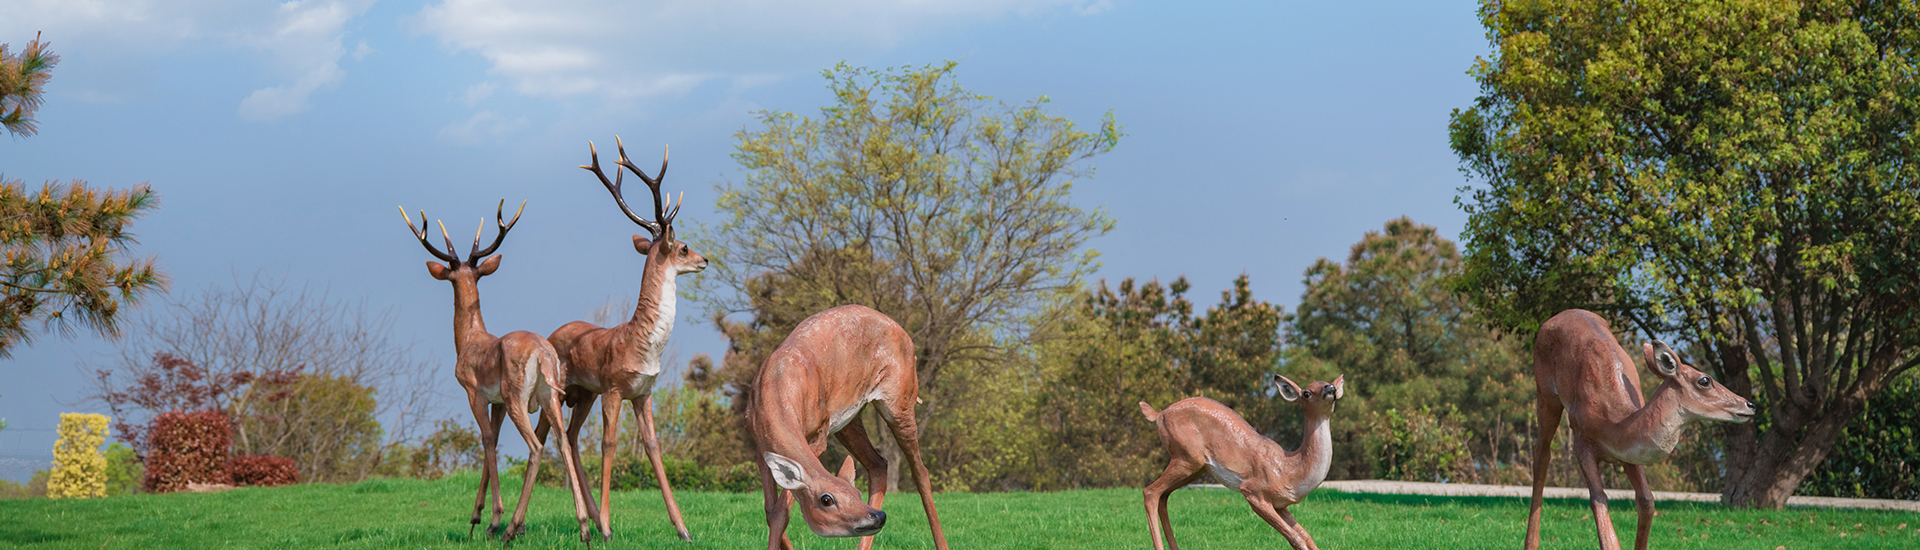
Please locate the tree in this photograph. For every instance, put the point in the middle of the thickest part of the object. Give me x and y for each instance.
(1388, 320)
(1733, 175)
(940, 207)
(64, 246)
(296, 372)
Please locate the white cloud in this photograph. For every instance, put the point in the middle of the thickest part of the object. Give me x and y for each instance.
(480, 92)
(302, 39)
(362, 50)
(482, 128)
(627, 49)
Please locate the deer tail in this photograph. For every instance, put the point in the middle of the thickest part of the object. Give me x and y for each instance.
(1147, 410)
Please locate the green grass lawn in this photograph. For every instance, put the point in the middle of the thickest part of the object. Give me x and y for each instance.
(404, 513)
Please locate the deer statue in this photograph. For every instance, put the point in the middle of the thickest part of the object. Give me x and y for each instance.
(620, 362)
(505, 377)
(1579, 369)
(1203, 436)
(816, 383)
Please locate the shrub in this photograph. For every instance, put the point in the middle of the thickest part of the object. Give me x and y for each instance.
(263, 470)
(78, 469)
(1416, 445)
(124, 470)
(187, 448)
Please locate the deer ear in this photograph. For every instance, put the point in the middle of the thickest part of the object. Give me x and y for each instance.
(487, 267)
(1661, 359)
(641, 244)
(1339, 386)
(438, 270)
(1288, 390)
(846, 470)
(787, 474)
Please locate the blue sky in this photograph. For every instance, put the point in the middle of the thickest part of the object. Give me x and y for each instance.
(280, 137)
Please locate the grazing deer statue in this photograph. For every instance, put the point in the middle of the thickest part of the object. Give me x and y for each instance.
(505, 377)
(1579, 368)
(620, 362)
(831, 366)
(1204, 436)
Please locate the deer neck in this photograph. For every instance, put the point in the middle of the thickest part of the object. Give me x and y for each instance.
(653, 317)
(1308, 465)
(1651, 433)
(468, 326)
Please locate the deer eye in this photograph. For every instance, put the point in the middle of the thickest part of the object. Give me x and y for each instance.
(826, 500)
(1703, 382)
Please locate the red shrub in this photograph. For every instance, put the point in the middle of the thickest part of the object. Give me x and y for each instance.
(187, 447)
(263, 470)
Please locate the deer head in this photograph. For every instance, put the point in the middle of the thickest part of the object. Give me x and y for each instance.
(1318, 397)
(1700, 395)
(660, 245)
(470, 270)
(829, 503)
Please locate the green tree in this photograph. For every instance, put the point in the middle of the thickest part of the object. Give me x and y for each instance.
(64, 246)
(1736, 175)
(1387, 319)
(945, 209)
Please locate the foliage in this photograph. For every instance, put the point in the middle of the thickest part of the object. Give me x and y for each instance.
(124, 470)
(296, 370)
(23, 80)
(263, 470)
(10, 490)
(323, 423)
(387, 513)
(1417, 445)
(632, 472)
(1879, 455)
(187, 448)
(453, 446)
(945, 209)
(79, 471)
(1388, 321)
(1736, 175)
(1143, 343)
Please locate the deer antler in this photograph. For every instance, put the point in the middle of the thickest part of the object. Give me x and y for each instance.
(653, 183)
(614, 186)
(421, 233)
(499, 219)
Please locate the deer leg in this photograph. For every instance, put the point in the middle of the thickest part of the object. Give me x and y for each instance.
(1590, 470)
(576, 479)
(499, 415)
(487, 440)
(907, 435)
(1549, 410)
(1266, 512)
(776, 506)
(854, 437)
(1643, 502)
(535, 448)
(1287, 516)
(582, 404)
(1178, 474)
(643, 413)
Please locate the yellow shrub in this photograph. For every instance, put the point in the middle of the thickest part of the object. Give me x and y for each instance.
(79, 471)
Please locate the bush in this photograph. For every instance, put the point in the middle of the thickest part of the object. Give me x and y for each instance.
(263, 471)
(634, 472)
(124, 470)
(78, 469)
(187, 448)
(1416, 445)
(452, 446)
(1878, 454)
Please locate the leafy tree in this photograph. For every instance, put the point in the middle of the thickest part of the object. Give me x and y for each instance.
(1143, 343)
(63, 246)
(1735, 175)
(1877, 456)
(944, 209)
(1387, 319)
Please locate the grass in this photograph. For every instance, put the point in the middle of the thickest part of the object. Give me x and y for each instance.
(405, 513)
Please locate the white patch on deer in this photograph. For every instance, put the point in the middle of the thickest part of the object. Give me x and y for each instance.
(1227, 477)
(662, 328)
(535, 390)
(842, 417)
(491, 394)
